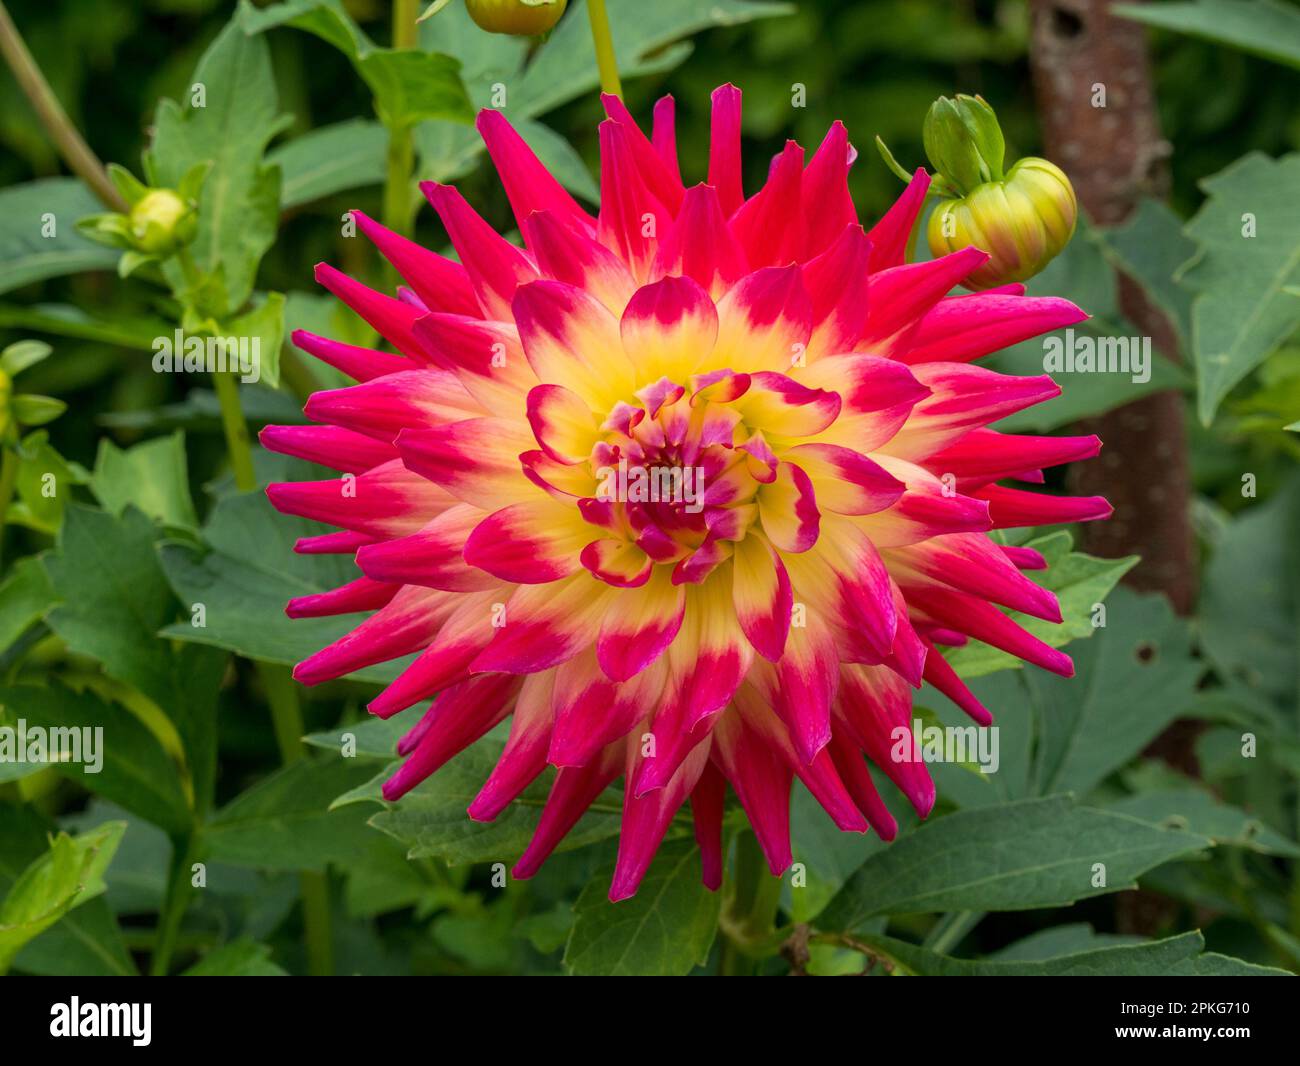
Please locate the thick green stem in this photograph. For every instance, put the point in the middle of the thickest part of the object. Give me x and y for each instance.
(8, 478)
(749, 910)
(951, 929)
(606, 61)
(70, 144)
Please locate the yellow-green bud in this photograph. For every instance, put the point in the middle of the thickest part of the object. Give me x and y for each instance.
(162, 221)
(521, 18)
(1022, 221)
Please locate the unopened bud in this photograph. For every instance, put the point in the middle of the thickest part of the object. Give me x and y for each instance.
(520, 18)
(162, 221)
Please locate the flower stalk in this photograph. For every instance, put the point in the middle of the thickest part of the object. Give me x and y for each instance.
(606, 60)
(72, 147)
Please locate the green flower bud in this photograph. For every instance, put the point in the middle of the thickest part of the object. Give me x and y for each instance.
(1022, 221)
(964, 141)
(162, 221)
(520, 18)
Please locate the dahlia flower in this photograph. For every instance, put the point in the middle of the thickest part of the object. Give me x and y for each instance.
(814, 393)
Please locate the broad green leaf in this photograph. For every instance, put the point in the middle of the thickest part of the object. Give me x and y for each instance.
(1248, 615)
(69, 874)
(372, 738)
(152, 476)
(1150, 248)
(25, 596)
(1017, 856)
(1263, 27)
(86, 942)
(240, 958)
(1088, 728)
(1070, 939)
(1245, 273)
(1177, 955)
(431, 820)
(1199, 811)
(129, 766)
(284, 822)
(38, 233)
(1082, 274)
(665, 930)
(240, 204)
(123, 329)
(248, 575)
(336, 158)
(115, 599)
(1079, 581)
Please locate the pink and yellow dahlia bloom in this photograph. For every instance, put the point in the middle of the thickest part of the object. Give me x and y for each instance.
(688, 490)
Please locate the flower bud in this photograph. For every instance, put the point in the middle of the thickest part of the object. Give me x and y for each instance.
(162, 221)
(964, 141)
(520, 18)
(1022, 221)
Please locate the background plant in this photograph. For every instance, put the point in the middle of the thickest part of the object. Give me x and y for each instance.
(145, 593)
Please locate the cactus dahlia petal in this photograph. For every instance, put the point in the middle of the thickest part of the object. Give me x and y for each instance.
(804, 402)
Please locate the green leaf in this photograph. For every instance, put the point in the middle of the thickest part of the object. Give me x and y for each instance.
(372, 738)
(1198, 811)
(409, 85)
(50, 205)
(134, 771)
(240, 205)
(1082, 273)
(115, 601)
(665, 930)
(32, 410)
(1016, 856)
(1248, 616)
(69, 874)
(86, 941)
(1071, 939)
(152, 476)
(45, 480)
(19, 356)
(1079, 581)
(259, 332)
(284, 822)
(240, 958)
(647, 37)
(431, 820)
(25, 595)
(1150, 248)
(1261, 27)
(336, 158)
(1141, 658)
(1176, 955)
(246, 578)
(1242, 310)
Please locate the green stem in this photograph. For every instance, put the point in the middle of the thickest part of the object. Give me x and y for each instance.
(749, 911)
(179, 889)
(951, 929)
(8, 478)
(286, 716)
(401, 145)
(232, 421)
(70, 144)
(606, 61)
